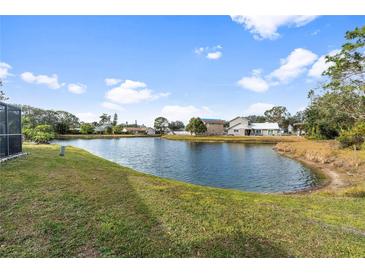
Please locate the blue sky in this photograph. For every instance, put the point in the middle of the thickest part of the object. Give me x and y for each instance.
(176, 66)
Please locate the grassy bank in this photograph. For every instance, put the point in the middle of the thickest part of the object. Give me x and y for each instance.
(347, 164)
(83, 206)
(101, 136)
(235, 139)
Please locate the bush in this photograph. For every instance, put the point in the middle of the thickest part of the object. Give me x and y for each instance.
(42, 134)
(87, 128)
(353, 137)
(28, 133)
(117, 129)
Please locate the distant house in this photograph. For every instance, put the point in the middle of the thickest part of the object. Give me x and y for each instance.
(150, 131)
(241, 126)
(179, 132)
(102, 128)
(138, 130)
(214, 126)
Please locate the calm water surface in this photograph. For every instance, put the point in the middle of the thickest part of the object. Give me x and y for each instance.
(248, 167)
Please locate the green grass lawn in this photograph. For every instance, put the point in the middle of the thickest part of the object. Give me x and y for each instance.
(83, 206)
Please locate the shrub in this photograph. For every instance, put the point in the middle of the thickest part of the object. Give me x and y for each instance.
(28, 133)
(117, 129)
(42, 134)
(109, 130)
(353, 137)
(362, 147)
(87, 128)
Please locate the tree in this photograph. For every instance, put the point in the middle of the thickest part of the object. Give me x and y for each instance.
(347, 70)
(161, 124)
(115, 119)
(278, 114)
(60, 121)
(118, 129)
(354, 137)
(340, 103)
(256, 119)
(196, 126)
(176, 125)
(2, 93)
(297, 121)
(104, 119)
(87, 128)
(42, 134)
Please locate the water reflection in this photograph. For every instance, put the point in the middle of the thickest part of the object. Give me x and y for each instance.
(248, 167)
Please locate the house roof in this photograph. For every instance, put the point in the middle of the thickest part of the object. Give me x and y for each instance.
(102, 127)
(237, 118)
(213, 121)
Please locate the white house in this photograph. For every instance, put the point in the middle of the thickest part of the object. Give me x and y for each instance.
(150, 131)
(241, 126)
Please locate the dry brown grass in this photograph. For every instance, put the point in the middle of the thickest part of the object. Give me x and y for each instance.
(349, 164)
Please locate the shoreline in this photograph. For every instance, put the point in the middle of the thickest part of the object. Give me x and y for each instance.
(234, 139)
(103, 136)
(327, 177)
(345, 175)
(330, 178)
(322, 175)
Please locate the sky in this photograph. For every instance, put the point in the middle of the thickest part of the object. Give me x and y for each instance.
(142, 67)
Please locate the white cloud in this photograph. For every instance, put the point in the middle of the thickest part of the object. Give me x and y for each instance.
(320, 65)
(112, 81)
(184, 113)
(293, 65)
(4, 70)
(258, 108)
(77, 88)
(133, 84)
(199, 50)
(266, 27)
(87, 117)
(50, 81)
(130, 92)
(212, 53)
(255, 82)
(112, 106)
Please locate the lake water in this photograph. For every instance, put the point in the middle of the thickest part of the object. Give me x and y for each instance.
(248, 167)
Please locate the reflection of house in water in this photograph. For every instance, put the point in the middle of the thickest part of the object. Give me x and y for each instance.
(241, 126)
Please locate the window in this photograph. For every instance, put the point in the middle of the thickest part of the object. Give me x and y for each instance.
(236, 130)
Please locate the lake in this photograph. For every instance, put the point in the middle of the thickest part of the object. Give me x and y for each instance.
(248, 167)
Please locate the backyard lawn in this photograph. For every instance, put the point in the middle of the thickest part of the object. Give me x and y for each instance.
(83, 206)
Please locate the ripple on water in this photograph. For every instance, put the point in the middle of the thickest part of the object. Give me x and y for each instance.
(249, 167)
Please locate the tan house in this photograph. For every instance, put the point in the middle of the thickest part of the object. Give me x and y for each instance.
(214, 126)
